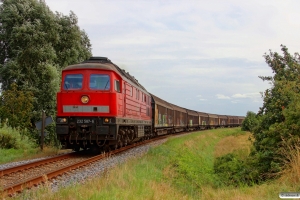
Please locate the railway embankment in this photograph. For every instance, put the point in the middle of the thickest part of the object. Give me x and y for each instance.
(180, 168)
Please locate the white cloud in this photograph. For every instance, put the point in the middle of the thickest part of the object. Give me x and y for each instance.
(201, 99)
(239, 96)
(256, 97)
(221, 96)
(246, 95)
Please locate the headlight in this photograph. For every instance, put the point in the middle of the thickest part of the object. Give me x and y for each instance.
(85, 99)
(61, 120)
(109, 120)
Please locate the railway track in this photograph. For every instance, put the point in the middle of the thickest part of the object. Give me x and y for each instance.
(16, 179)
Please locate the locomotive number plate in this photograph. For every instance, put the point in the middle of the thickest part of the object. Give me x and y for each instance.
(85, 121)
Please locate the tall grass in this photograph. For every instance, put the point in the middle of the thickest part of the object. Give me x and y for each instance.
(11, 138)
(15, 147)
(291, 170)
(239, 144)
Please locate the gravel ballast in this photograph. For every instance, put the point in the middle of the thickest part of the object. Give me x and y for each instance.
(96, 169)
(92, 170)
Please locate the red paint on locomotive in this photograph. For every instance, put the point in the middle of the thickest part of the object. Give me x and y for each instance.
(101, 105)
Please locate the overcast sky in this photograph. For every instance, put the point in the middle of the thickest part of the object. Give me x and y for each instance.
(201, 55)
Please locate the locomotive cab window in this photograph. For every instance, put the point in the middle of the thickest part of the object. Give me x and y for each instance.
(117, 85)
(73, 81)
(99, 82)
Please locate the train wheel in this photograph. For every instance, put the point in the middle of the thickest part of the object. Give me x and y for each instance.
(77, 148)
(107, 148)
(120, 144)
(115, 147)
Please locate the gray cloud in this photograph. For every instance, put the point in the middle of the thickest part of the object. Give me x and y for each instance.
(180, 49)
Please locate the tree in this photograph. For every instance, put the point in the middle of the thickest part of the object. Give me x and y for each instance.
(28, 30)
(276, 127)
(279, 118)
(250, 122)
(74, 45)
(16, 107)
(35, 44)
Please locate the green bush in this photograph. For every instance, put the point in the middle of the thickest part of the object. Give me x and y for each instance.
(234, 171)
(7, 141)
(250, 122)
(10, 138)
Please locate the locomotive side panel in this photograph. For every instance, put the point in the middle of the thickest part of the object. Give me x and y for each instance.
(132, 107)
(137, 103)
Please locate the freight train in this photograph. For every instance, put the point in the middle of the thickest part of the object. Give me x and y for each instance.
(101, 106)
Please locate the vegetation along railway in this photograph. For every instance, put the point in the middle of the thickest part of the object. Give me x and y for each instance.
(102, 107)
(20, 177)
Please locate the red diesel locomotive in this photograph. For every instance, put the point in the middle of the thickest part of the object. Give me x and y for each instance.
(101, 106)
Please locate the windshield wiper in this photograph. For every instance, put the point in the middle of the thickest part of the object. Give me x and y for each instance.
(106, 84)
(66, 86)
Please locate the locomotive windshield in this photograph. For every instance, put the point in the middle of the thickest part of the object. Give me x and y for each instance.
(99, 82)
(73, 81)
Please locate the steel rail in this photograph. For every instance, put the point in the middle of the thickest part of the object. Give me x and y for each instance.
(22, 167)
(34, 181)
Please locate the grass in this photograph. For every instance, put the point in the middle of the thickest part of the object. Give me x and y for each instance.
(13, 155)
(181, 168)
(16, 147)
(239, 144)
(292, 170)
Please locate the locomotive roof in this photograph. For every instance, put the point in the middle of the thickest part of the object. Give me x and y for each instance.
(106, 64)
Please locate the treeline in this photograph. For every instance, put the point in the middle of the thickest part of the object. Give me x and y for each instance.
(35, 45)
(275, 128)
